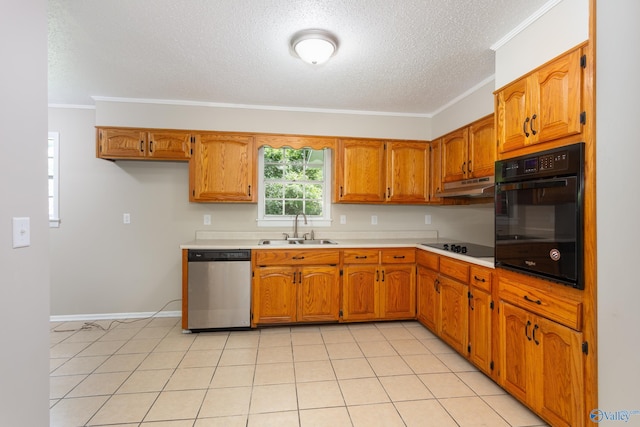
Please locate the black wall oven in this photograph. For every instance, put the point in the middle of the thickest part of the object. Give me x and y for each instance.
(539, 214)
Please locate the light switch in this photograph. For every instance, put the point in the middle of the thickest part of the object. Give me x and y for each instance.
(21, 232)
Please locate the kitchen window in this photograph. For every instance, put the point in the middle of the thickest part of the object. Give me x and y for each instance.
(294, 181)
(54, 187)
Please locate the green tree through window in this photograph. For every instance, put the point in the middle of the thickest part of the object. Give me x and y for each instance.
(294, 181)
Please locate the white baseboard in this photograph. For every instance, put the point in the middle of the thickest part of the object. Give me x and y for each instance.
(112, 316)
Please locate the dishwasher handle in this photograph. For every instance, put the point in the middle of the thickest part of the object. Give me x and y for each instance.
(209, 255)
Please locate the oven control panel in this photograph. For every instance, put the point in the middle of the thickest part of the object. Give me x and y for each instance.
(560, 161)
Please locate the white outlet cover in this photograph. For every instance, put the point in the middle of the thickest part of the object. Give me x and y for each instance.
(21, 232)
(343, 219)
(427, 219)
(374, 219)
(207, 219)
(126, 218)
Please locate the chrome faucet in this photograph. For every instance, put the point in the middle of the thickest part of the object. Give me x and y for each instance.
(295, 224)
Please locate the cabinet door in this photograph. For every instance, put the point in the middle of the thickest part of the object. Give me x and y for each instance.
(517, 368)
(222, 168)
(360, 171)
(116, 143)
(435, 185)
(454, 155)
(557, 88)
(453, 313)
(169, 145)
(318, 294)
(407, 172)
(428, 301)
(360, 292)
(482, 148)
(512, 113)
(397, 292)
(480, 328)
(274, 295)
(559, 367)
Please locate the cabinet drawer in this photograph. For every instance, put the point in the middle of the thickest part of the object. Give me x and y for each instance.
(458, 270)
(428, 260)
(360, 256)
(561, 310)
(296, 257)
(481, 278)
(398, 256)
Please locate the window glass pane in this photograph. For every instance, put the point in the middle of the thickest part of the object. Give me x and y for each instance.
(273, 191)
(292, 207)
(294, 191)
(273, 171)
(273, 207)
(313, 207)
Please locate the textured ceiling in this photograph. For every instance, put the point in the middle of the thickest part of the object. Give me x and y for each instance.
(400, 56)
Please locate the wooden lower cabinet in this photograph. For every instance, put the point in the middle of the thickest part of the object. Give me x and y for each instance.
(378, 284)
(289, 294)
(360, 292)
(481, 312)
(452, 325)
(442, 307)
(428, 301)
(541, 364)
(398, 292)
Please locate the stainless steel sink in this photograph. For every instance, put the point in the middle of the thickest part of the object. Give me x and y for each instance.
(277, 242)
(283, 242)
(317, 242)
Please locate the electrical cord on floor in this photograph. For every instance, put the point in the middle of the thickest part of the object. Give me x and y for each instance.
(91, 325)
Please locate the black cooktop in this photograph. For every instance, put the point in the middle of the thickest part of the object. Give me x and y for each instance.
(470, 249)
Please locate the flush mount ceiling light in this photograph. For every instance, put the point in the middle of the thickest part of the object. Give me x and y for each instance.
(314, 46)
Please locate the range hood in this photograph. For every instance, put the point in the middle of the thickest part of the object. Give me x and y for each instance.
(476, 187)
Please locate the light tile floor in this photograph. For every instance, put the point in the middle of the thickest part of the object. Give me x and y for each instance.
(148, 373)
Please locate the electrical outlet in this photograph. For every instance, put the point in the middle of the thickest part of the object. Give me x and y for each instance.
(343, 219)
(374, 219)
(427, 219)
(207, 219)
(126, 218)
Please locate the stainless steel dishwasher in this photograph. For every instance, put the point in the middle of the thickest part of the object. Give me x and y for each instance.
(219, 289)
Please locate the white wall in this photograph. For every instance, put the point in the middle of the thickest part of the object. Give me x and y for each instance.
(618, 151)
(561, 28)
(210, 117)
(24, 272)
(473, 106)
(101, 266)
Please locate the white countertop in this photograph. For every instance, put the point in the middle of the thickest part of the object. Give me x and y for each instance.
(213, 240)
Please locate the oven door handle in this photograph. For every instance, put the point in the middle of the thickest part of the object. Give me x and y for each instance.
(533, 185)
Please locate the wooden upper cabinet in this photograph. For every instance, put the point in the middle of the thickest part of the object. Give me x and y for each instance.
(376, 171)
(169, 145)
(454, 155)
(407, 172)
(360, 171)
(435, 179)
(543, 106)
(469, 152)
(482, 148)
(222, 168)
(142, 144)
